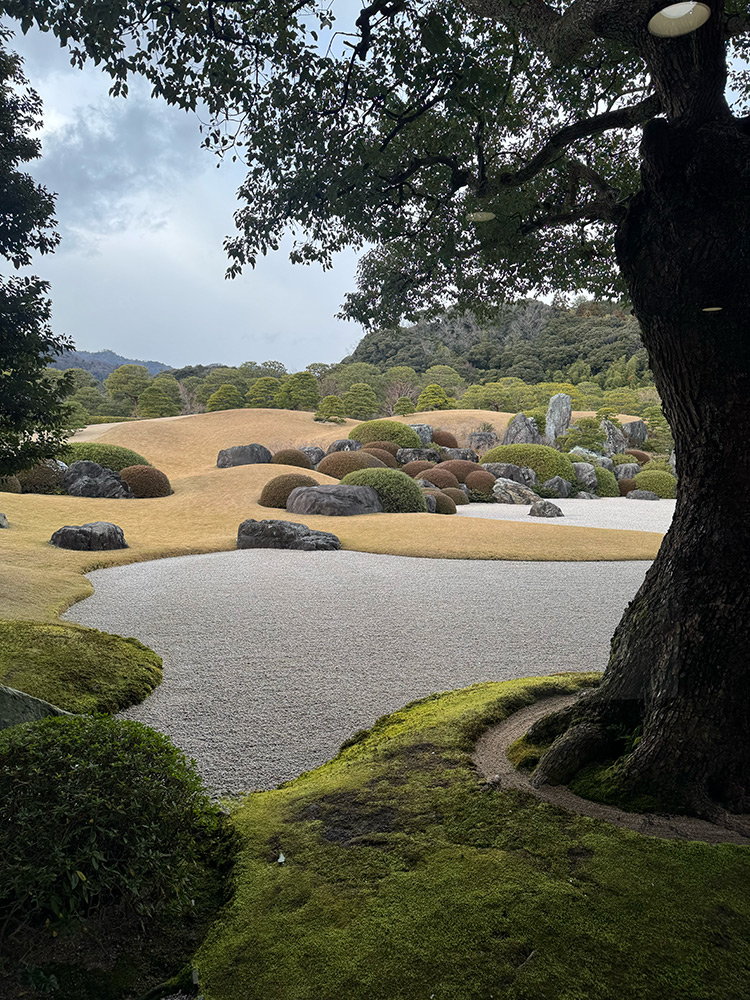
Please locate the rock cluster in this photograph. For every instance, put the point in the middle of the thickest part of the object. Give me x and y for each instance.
(88, 479)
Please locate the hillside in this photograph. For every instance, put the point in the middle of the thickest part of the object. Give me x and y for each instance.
(102, 363)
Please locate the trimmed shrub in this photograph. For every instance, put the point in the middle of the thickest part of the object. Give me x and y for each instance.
(384, 456)
(626, 485)
(415, 469)
(46, 477)
(658, 465)
(146, 482)
(440, 477)
(292, 456)
(403, 406)
(434, 397)
(444, 438)
(340, 463)
(457, 496)
(96, 812)
(388, 446)
(276, 491)
(444, 504)
(606, 483)
(621, 459)
(481, 482)
(226, 397)
(9, 484)
(545, 461)
(476, 497)
(460, 467)
(663, 484)
(360, 401)
(398, 493)
(386, 430)
(641, 457)
(331, 410)
(111, 456)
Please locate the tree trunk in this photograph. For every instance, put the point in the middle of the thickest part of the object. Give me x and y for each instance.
(680, 662)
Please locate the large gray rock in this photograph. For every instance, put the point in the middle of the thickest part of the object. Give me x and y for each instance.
(3, 521)
(243, 454)
(522, 430)
(431, 500)
(559, 486)
(518, 473)
(284, 535)
(642, 495)
(334, 501)
(404, 455)
(89, 479)
(313, 452)
(585, 474)
(543, 508)
(558, 419)
(95, 536)
(424, 433)
(627, 470)
(635, 432)
(343, 444)
(584, 455)
(17, 707)
(509, 491)
(615, 443)
(464, 454)
(673, 463)
(483, 440)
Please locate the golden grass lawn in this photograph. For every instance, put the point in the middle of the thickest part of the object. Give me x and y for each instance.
(39, 581)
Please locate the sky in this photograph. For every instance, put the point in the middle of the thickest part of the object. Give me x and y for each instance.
(143, 212)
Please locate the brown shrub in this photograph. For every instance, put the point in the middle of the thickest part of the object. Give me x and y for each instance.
(460, 467)
(439, 477)
(276, 491)
(445, 505)
(388, 446)
(481, 482)
(292, 456)
(445, 439)
(641, 457)
(415, 469)
(340, 463)
(384, 456)
(626, 485)
(45, 477)
(457, 496)
(145, 481)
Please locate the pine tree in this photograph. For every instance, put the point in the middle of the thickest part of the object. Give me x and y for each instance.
(298, 392)
(331, 409)
(262, 394)
(360, 401)
(154, 402)
(434, 397)
(403, 406)
(226, 397)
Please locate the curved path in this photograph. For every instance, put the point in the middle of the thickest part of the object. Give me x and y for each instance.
(273, 658)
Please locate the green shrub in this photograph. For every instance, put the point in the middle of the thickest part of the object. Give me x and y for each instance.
(386, 430)
(403, 406)
(443, 503)
(399, 494)
(606, 483)
(440, 477)
(415, 469)
(545, 461)
(539, 416)
(96, 812)
(276, 491)
(10, 484)
(331, 410)
(625, 486)
(444, 438)
(292, 456)
(98, 419)
(389, 446)
(663, 484)
(340, 463)
(481, 482)
(622, 459)
(586, 433)
(146, 482)
(457, 496)
(226, 397)
(434, 397)
(45, 477)
(111, 456)
(654, 465)
(383, 456)
(460, 467)
(476, 497)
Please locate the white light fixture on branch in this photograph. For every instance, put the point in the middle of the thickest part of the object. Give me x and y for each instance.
(480, 216)
(678, 19)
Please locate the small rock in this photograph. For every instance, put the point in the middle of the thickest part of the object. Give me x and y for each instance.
(314, 453)
(520, 474)
(585, 474)
(424, 433)
(483, 440)
(243, 454)
(543, 508)
(343, 444)
(269, 534)
(591, 456)
(431, 500)
(464, 454)
(334, 500)
(522, 430)
(627, 470)
(673, 463)
(404, 455)
(642, 495)
(509, 491)
(3, 521)
(559, 486)
(96, 536)
(585, 495)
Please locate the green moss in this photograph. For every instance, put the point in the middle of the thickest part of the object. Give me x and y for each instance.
(606, 483)
(601, 782)
(386, 430)
(398, 493)
(663, 484)
(545, 461)
(524, 755)
(78, 669)
(111, 456)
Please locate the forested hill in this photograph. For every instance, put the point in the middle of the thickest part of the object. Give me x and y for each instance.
(102, 363)
(528, 340)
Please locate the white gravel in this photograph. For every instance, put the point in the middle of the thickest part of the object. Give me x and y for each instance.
(273, 658)
(605, 512)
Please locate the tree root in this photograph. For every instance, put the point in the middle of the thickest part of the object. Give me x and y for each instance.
(576, 747)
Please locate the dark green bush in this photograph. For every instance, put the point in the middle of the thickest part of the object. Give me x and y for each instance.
(388, 446)
(460, 467)
(622, 459)
(386, 430)
(663, 484)
(340, 463)
(111, 456)
(476, 497)
(545, 461)
(415, 469)
(146, 482)
(444, 503)
(95, 812)
(606, 483)
(481, 482)
(276, 491)
(444, 438)
(9, 484)
(658, 465)
(382, 456)
(45, 477)
(457, 496)
(399, 493)
(292, 456)
(440, 477)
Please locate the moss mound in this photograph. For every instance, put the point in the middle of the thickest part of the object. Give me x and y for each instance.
(444, 438)
(457, 496)
(383, 456)
(663, 484)
(398, 493)
(606, 483)
(386, 430)
(439, 477)
(545, 461)
(622, 459)
(10, 484)
(481, 482)
(443, 503)
(388, 446)
(146, 482)
(460, 467)
(276, 491)
(625, 486)
(415, 469)
(292, 456)
(640, 456)
(45, 477)
(78, 669)
(111, 456)
(341, 463)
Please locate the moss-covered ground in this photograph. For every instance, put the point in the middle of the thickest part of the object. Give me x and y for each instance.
(405, 877)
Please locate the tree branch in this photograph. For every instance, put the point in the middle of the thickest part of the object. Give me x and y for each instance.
(602, 210)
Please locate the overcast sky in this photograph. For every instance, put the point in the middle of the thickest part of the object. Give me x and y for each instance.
(143, 212)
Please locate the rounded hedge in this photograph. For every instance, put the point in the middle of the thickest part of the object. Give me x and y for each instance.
(276, 491)
(481, 482)
(460, 467)
(545, 461)
(457, 496)
(45, 477)
(641, 457)
(658, 465)
(340, 463)
(443, 503)
(606, 483)
(663, 484)
(383, 456)
(10, 484)
(623, 459)
(398, 493)
(292, 456)
(146, 482)
(386, 430)
(388, 446)
(96, 812)
(439, 477)
(415, 469)
(625, 486)
(111, 456)
(444, 438)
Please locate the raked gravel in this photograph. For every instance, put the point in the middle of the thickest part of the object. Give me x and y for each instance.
(604, 512)
(273, 658)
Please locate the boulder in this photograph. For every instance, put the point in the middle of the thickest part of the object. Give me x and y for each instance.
(464, 454)
(521, 474)
(627, 470)
(585, 495)
(284, 535)
(558, 419)
(673, 463)
(522, 430)
(3, 521)
(635, 432)
(343, 444)
(17, 707)
(423, 432)
(464, 488)
(642, 495)
(615, 443)
(559, 486)
(543, 508)
(431, 500)
(509, 491)
(334, 501)
(425, 484)
(483, 440)
(89, 479)
(585, 474)
(96, 536)
(243, 454)
(404, 455)
(313, 452)
(593, 457)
